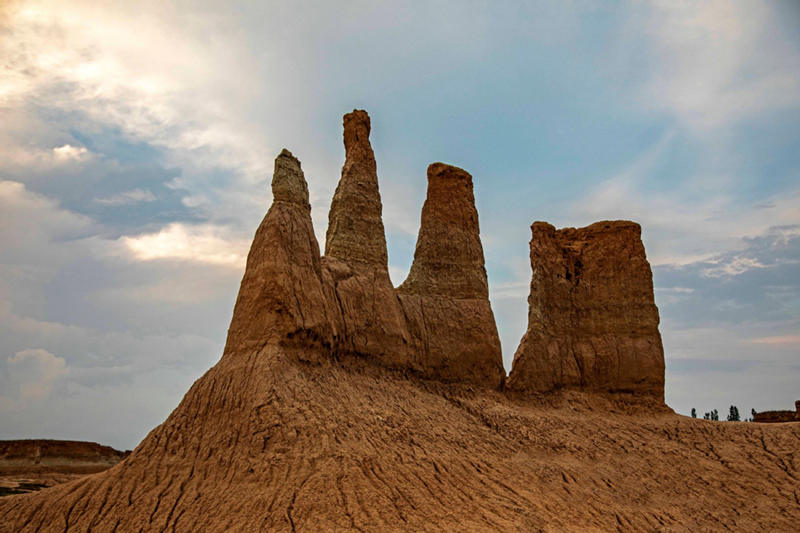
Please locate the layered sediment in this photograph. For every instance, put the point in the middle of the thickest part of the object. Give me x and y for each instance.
(592, 319)
(38, 456)
(282, 298)
(445, 297)
(774, 417)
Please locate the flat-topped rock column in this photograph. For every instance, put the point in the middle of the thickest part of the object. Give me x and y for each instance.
(592, 319)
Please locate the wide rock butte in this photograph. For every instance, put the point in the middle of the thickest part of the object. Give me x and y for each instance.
(342, 403)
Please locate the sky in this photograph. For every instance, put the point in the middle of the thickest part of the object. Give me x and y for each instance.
(137, 141)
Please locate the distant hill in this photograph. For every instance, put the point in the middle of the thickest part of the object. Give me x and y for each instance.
(56, 456)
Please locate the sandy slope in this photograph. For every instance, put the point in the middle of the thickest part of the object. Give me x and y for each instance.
(305, 447)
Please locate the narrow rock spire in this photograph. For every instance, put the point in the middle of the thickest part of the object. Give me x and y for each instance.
(448, 260)
(355, 225)
(288, 182)
(281, 296)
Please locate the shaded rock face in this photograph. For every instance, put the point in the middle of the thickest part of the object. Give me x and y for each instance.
(281, 296)
(356, 269)
(355, 223)
(592, 319)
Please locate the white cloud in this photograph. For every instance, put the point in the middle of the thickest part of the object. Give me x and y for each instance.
(793, 340)
(26, 217)
(734, 267)
(134, 196)
(201, 243)
(68, 152)
(32, 373)
(682, 225)
(78, 58)
(709, 70)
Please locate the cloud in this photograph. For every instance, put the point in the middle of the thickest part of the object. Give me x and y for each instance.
(32, 373)
(68, 152)
(134, 196)
(707, 68)
(203, 243)
(793, 340)
(682, 224)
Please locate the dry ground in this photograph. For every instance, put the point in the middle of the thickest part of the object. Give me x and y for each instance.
(269, 443)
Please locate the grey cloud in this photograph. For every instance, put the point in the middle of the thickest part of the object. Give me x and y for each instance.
(758, 280)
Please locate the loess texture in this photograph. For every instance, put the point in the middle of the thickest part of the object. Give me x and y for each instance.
(265, 443)
(592, 319)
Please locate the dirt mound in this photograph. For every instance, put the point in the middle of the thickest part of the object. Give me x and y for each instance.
(334, 408)
(307, 447)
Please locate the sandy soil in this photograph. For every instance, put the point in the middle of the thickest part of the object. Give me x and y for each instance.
(304, 447)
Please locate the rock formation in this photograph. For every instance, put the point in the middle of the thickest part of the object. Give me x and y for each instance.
(356, 264)
(446, 294)
(305, 425)
(592, 319)
(439, 324)
(281, 296)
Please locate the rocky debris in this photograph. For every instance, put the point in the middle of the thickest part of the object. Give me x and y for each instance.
(445, 297)
(38, 456)
(779, 416)
(592, 319)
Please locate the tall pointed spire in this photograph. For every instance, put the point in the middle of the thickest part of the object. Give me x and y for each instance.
(448, 260)
(281, 293)
(355, 227)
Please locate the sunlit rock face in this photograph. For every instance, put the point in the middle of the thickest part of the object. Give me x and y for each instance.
(592, 318)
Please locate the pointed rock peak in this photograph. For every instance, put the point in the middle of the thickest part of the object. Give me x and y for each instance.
(355, 225)
(356, 135)
(288, 182)
(448, 260)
